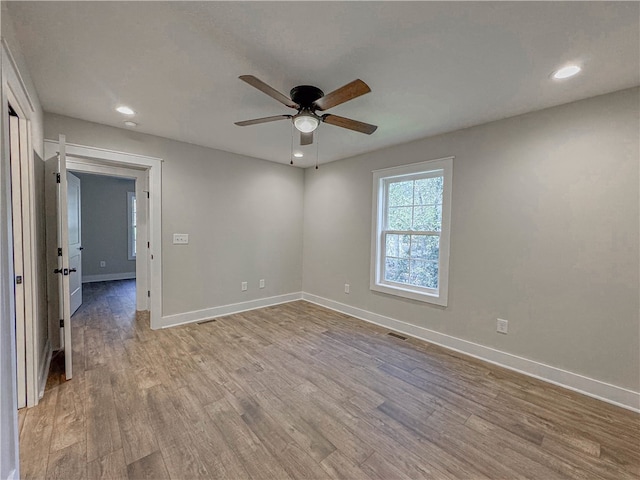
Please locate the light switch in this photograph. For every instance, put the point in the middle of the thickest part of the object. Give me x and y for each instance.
(180, 238)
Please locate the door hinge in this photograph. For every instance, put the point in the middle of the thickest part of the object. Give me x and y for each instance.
(57, 178)
(18, 279)
(148, 293)
(59, 252)
(147, 194)
(148, 244)
(61, 323)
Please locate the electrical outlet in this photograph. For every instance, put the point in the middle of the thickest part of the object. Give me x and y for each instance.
(103, 264)
(180, 238)
(244, 286)
(262, 283)
(503, 326)
(346, 288)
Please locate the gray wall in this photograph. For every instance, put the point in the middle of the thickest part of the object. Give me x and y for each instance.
(544, 233)
(243, 217)
(105, 225)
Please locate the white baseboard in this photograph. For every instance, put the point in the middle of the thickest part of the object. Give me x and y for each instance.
(107, 277)
(206, 314)
(613, 394)
(43, 371)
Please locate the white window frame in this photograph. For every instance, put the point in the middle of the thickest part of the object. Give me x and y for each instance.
(130, 219)
(441, 166)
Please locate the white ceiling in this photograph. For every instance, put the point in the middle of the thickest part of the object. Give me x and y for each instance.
(433, 67)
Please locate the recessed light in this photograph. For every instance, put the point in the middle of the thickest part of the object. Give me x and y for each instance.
(130, 124)
(566, 72)
(125, 110)
(298, 154)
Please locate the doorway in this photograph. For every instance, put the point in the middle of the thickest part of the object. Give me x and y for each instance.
(103, 238)
(147, 173)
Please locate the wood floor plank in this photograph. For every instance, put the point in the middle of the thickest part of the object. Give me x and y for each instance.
(109, 467)
(35, 439)
(150, 467)
(69, 462)
(296, 391)
(138, 437)
(102, 428)
(338, 466)
(69, 427)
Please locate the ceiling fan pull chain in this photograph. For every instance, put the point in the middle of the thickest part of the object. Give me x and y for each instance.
(291, 152)
(317, 147)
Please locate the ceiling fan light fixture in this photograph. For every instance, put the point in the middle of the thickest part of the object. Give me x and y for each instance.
(306, 123)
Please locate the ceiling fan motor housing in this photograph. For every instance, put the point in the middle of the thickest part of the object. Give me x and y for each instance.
(305, 95)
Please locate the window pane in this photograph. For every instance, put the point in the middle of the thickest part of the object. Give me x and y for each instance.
(392, 247)
(425, 247)
(399, 218)
(424, 274)
(396, 270)
(401, 193)
(428, 191)
(405, 245)
(427, 218)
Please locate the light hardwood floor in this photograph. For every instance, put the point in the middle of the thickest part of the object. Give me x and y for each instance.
(298, 391)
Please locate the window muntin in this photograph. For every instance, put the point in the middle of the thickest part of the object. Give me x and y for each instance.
(411, 227)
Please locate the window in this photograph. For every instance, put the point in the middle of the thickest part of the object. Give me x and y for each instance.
(410, 238)
(131, 209)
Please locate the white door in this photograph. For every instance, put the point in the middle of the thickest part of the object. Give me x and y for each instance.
(18, 266)
(56, 203)
(75, 243)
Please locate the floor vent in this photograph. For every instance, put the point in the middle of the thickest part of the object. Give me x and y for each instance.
(397, 335)
(206, 321)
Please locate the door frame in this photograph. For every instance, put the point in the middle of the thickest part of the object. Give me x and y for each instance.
(148, 174)
(15, 92)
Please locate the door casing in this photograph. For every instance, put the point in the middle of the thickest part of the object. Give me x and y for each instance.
(147, 171)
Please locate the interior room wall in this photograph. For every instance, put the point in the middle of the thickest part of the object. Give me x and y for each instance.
(243, 217)
(545, 226)
(105, 233)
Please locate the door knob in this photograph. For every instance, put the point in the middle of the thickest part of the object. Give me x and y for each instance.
(72, 270)
(80, 248)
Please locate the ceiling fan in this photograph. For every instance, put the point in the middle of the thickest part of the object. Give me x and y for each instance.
(308, 100)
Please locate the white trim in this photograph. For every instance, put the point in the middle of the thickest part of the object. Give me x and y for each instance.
(43, 372)
(93, 157)
(14, 76)
(13, 475)
(107, 277)
(606, 392)
(213, 312)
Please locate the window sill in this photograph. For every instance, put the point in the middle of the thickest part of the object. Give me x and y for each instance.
(436, 299)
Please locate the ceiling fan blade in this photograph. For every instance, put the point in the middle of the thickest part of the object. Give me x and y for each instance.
(306, 138)
(256, 121)
(343, 94)
(272, 92)
(348, 123)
